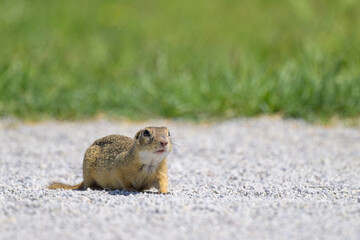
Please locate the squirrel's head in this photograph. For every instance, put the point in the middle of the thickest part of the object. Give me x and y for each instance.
(153, 142)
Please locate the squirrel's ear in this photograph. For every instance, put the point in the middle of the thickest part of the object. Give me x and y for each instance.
(137, 135)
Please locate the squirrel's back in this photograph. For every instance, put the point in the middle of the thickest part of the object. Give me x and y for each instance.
(103, 151)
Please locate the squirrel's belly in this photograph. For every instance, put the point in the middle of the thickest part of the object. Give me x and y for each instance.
(142, 182)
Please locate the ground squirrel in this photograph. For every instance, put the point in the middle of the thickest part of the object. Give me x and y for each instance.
(119, 162)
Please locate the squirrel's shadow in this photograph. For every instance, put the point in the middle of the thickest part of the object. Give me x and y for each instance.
(127, 193)
(121, 192)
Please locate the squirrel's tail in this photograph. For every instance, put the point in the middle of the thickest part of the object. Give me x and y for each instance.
(59, 185)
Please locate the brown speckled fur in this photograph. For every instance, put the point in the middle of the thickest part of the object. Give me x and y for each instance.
(117, 162)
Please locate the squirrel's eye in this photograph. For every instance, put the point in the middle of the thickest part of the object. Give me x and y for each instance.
(146, 133)
(169, 133)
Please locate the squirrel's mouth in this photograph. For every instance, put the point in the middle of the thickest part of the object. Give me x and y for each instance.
(160, 151)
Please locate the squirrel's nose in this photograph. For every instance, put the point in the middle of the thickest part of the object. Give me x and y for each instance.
(164, 143)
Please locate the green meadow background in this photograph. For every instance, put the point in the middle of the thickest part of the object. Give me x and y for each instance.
(202, 59)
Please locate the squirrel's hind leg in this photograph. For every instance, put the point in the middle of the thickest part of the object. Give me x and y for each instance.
(90, 182)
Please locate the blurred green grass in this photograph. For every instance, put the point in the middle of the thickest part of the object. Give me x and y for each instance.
(179, 59)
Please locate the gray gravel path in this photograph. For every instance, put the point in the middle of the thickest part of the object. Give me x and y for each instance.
(260, 178)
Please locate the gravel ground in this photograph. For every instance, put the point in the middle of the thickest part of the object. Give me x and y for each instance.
(262, 178)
